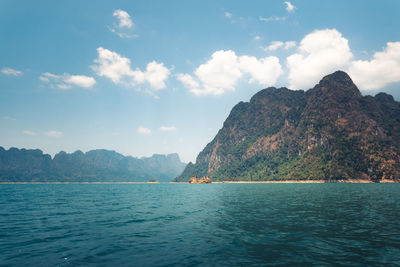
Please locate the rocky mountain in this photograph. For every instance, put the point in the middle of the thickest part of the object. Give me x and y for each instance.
(329, 132)
(27, 165)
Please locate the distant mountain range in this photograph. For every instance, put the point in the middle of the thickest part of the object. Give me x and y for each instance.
(330, 132)
(28, 165)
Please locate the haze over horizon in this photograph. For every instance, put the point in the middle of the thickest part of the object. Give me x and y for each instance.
(157, 78)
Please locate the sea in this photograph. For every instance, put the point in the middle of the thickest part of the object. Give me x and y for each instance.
(200, 224)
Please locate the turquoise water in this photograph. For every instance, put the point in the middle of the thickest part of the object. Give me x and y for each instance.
(215, 224)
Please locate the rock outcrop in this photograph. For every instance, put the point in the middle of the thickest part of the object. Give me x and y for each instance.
(329, 132)
(202, 180)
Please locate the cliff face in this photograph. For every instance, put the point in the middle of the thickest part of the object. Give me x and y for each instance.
(330, 132)
(22, 165)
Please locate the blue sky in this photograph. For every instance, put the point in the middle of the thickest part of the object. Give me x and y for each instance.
(144, 77)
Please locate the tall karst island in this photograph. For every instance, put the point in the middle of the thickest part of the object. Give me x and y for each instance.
(330, 132)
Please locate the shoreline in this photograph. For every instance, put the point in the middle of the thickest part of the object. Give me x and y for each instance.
(351, 181)
(79, 183)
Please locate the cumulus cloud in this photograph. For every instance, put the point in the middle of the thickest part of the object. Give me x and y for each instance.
(124, 18)
(289, 6)
(143, 130)
(384, 68)
(264, 71)
(187, 80)
(118, 69)
(66, 81)
(53, 133)
(156, 75)
(10, 71)
(28, 132)
(167, 128)
(221, 73)
(111, 65)
(320, 53)
(80, 80)
(124, 26)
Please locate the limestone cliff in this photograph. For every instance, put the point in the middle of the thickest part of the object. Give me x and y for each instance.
(329, 132)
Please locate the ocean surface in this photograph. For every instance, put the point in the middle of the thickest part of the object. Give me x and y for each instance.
(199, 225)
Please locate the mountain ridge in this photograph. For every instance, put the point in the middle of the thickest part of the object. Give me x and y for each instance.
(99, 165)
(329, 132)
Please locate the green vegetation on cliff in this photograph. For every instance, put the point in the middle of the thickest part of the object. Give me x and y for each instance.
(329, 132)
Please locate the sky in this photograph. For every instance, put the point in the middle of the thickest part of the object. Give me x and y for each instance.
(146, 77)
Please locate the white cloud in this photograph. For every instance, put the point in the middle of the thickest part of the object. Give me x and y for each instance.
(188, 81)
(156, 75)
(257, 38)
(80, 80)
(50, 75)
(289, 6)
(221, 73)
(274, 45)
(228, 15)
(124, 18)
(273, 18)
(143, 130)
(167, 128)
(111, 65)
(320, 52)
(66, 81)
(64, 86)
(53, 133)
(120, 32)
(265, 71)
(125, 25)
(384, 68)
(290, 44)
(28, 132)
(10, 71)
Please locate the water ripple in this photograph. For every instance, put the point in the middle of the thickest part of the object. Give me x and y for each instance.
(217, 224)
